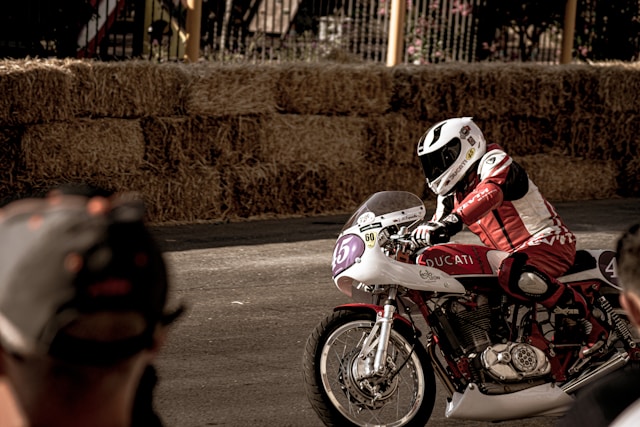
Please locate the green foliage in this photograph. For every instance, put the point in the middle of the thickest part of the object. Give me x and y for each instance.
(605, 29)
(608, 30)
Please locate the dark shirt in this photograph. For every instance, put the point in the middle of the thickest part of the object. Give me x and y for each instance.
(598, 404)
(144, 414)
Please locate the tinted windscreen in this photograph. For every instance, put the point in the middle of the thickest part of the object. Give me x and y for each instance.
(436, 163)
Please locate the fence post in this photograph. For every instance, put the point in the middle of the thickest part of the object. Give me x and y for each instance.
(568, 31)
(395, 42)
(194, 17)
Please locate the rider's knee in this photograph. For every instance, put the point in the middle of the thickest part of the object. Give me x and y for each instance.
(525, 281)
(535, 284)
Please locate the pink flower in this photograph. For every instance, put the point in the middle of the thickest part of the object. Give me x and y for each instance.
(461, 7)
(411, 50)
(382, 11)
(417, 42)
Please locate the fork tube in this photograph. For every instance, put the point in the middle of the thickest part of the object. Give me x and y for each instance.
(385, 321)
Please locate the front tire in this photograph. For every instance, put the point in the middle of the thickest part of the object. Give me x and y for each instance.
(333, 375)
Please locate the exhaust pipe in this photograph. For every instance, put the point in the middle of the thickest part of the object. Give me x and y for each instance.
(617, 361)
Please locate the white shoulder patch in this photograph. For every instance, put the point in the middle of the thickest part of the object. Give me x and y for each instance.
(488, 164)
(439, 213)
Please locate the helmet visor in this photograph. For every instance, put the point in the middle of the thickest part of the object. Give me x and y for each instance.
(436, 163)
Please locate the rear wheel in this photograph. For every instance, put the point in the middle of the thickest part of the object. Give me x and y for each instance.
(341, 387)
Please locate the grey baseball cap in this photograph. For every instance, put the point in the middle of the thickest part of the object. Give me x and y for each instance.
(65, 257)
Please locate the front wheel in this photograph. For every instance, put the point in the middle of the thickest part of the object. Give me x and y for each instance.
(344, 391)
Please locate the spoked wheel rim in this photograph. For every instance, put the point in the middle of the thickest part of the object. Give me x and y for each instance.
(390, 400)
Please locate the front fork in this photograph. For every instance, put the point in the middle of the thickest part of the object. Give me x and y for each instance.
(376, 344)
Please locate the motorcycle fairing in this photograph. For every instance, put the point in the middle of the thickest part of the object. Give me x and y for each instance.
(375, 268)
(359, 258)
(543, 400)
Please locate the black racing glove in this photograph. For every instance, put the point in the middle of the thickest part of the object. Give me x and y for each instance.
(434, 232)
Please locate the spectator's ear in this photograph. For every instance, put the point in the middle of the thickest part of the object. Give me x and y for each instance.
(159, 338)
(630, 301)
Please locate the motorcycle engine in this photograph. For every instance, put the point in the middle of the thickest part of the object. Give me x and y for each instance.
(515, 361)
(472, 326)
(504, 361)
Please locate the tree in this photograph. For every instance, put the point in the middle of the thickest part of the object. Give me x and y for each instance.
(528, 20)
(607, 30)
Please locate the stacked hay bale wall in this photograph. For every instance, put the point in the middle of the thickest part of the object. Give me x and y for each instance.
(209, 142)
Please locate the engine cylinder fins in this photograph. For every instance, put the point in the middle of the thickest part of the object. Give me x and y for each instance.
(473, 327)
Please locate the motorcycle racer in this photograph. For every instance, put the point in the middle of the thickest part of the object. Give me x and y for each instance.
(479, 185)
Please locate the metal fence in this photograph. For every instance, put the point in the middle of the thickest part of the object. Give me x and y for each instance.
(257, 31)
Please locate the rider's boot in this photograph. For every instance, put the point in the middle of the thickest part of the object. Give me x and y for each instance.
(574, 306)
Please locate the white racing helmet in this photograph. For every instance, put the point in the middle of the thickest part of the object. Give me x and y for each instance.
(448, 150)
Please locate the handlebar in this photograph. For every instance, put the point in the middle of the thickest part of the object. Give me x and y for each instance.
(404, 241)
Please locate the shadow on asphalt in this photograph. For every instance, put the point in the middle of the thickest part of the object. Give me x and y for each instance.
(581, 216)
(204, 236)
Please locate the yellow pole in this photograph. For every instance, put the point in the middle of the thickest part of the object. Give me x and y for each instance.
(396, 32)
(194, 18)
(568, 31)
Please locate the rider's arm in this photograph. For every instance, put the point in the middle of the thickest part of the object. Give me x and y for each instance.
(444, 207)
(493, 171)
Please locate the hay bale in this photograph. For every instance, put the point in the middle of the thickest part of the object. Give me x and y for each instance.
(83, 149)
(564, 178)
(205, 140)
(175, 141)
(618, 86)
(34, 91)
(604, 136)
(433, 93)
(393, 138)
(305, 165)
(520, 135)
(228, 90)
(334, 89)
(291, 165)
(628, 183)
(11, 162)
(127, 89)
(163, 137)
(495, 89)
(392, 161)
(187, 195)
(324, 140)
(276, 189)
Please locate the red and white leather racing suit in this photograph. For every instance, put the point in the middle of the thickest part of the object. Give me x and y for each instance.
(504, 208)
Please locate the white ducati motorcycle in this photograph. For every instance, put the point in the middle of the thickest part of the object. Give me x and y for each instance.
(439, 312)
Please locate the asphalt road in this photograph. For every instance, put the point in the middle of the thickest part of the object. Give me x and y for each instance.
(254, 292)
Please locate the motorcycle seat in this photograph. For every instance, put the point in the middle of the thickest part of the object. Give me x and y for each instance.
(583, 261)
